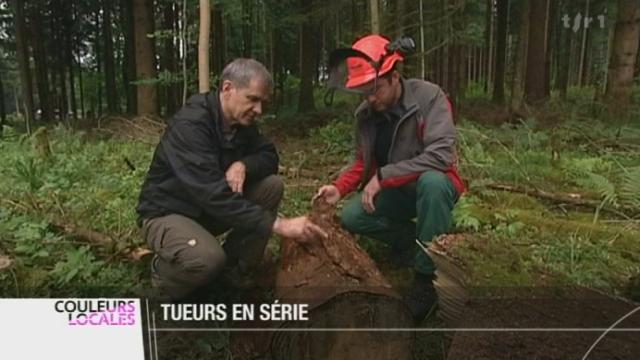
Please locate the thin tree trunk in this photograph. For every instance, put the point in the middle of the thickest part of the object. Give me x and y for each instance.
(98, 105)
(218, 48)
(129, 63)
(520, 62)
(498, 80)
(109, 65)
(488, 41)
(81, 83)
(70, 61)
(147, 94)
(307, 45)
(168, 62)
(17, 101)
(57, 30)
(41, 63)
(203, 46)
(583, 47)
(247, 34)
(3, 111)
(551, 28)
(184, 28)
(624, 52)
(535, 87)
(562, 51)
(375, 16)
(422, 50)
(22, 50)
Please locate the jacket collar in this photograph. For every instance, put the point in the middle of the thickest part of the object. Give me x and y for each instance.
(408, 98)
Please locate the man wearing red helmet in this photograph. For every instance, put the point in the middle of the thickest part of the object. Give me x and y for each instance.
(405, 163)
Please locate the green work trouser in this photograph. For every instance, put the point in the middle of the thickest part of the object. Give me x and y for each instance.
(431, 199)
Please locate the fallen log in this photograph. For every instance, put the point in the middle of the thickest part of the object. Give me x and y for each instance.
(565, 198)
(344, 290)
(88, 235)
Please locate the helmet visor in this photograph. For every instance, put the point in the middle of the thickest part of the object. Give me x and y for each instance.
(352, 71)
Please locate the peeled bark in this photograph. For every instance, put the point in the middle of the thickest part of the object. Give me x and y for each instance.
(624, 52)
(147, 94)
(344, 289)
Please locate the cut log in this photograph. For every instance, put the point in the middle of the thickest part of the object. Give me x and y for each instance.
(344, 290)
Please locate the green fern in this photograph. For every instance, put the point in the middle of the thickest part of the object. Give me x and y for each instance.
(629, 193)
(29, 171)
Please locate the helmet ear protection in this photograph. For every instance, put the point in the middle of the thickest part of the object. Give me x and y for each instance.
(404, 45)
(365, 61)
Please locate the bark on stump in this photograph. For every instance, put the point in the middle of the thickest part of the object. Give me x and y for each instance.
(344, 289)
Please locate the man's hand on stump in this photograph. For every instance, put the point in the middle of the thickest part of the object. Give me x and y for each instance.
(299, 228)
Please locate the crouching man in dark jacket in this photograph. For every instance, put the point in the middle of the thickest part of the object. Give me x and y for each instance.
(211, 172)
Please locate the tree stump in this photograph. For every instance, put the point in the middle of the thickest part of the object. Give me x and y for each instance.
(344, 290)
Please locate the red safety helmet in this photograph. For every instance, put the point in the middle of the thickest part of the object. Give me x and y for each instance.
(382, 60)
(366, 60)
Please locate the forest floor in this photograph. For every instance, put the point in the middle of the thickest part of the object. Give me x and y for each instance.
(550, 204)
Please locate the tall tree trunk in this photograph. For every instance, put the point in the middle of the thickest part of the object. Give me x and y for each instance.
(624, 52)
(562, 53)
(40, 61)
(203, 46)
(583, 46)
(399, 15)
(535, 87)
(185, 37)
(97, 110)
(520, 59)
(109, 65)
(488, 45)
(218, 48)
(422, 49)
(69, 58)
(58, 13)
(81, 86)
(168, 60)
(3, 111)
(307, 45)
(551, 28)
(498, 79)
(22, 50)
(375, 16)
(147, 94)
(247, 21)
(129, 63)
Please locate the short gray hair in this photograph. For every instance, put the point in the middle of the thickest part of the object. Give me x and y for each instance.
(241, 71)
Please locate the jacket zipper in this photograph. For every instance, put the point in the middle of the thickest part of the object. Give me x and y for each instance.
(409, 113)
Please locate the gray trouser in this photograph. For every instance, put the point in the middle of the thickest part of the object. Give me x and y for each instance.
(188, 255)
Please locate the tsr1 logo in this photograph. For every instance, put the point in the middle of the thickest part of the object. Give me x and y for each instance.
(584, 21)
